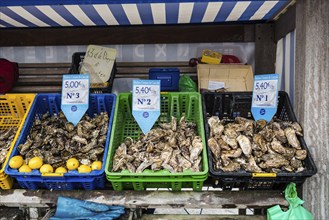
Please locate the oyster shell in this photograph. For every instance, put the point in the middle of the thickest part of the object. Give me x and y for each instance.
(245, 144)
(231, 167)
(301, 154)
(292, 138)
(196, 148)
(214, 147)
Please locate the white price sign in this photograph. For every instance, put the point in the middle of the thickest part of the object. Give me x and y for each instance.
(75, 90)
(146, 103)
(75, 96)
(265, 93)
(146, 97)
(265, 96)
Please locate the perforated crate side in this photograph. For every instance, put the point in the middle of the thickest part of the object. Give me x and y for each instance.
(235, 104)
(71, 180)
(172, 104)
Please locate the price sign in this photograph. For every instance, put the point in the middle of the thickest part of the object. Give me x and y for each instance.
(146, 103)
(265, 96)
(75, 96)
(98, 62)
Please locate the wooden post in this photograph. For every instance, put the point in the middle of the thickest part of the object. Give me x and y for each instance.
(312, 96)
(265, 49)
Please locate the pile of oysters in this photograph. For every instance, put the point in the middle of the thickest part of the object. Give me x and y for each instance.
(174, 146)
(6, 137)
(55, 140)
(256, 146)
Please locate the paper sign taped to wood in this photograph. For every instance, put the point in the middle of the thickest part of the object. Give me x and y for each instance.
(98, 62)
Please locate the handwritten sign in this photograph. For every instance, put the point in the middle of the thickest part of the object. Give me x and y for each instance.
(75, 96)
(98, 62)
(265, 96)
(146, 103)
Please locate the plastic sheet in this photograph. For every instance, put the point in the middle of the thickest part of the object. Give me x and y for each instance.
(69, 208)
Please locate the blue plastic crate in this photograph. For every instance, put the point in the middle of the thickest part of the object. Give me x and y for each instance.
(169, 77)
(72, 179)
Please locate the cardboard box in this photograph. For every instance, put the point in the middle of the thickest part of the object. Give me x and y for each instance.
(233, 77)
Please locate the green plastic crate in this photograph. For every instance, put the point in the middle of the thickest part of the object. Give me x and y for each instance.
(172, 104)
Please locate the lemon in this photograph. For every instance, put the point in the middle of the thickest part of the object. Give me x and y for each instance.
(72, 164)
(16, 162)
(61, 170)
(84, 169)
(96, 165)
(46, 168)
(35, 162)
(25, 169)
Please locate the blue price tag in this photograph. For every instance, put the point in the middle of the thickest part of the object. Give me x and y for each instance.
(146, 103)
(265, 96)
(75, 96)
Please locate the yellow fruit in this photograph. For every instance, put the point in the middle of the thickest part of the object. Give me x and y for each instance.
(96, 165)
(16, 162)
(24, 169)
(84, 169)
(46, 168)
(61, 170)
(72, 164)
(35, 162)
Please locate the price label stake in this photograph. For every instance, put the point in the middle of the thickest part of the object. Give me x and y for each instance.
(146, 103)
(75, 96)
(265, 96)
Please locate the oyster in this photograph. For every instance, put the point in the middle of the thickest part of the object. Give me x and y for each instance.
(4, 135)
(274, 161)
(260, 142)
(146, 163)
(232, 142)
(252, 166)
(230, 132)
(295, 163)
(292, 138)
(260, 124)
(23, 148)
(216, 128)
(279, 133)
(231, 167)
(230, 154)
(245, 144)
(166, 154)
(214, 147)
(196, 148)
(298, 129)
(301, 154)
(267, 133)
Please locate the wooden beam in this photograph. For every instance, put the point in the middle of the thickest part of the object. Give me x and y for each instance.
(127, 35)
(147, 199)
(203, 217)
(265, 49)
(286, 23)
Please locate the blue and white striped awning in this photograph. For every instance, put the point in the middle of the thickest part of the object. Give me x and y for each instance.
(69, 13)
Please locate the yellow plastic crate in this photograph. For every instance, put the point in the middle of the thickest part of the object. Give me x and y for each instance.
(13, 112)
